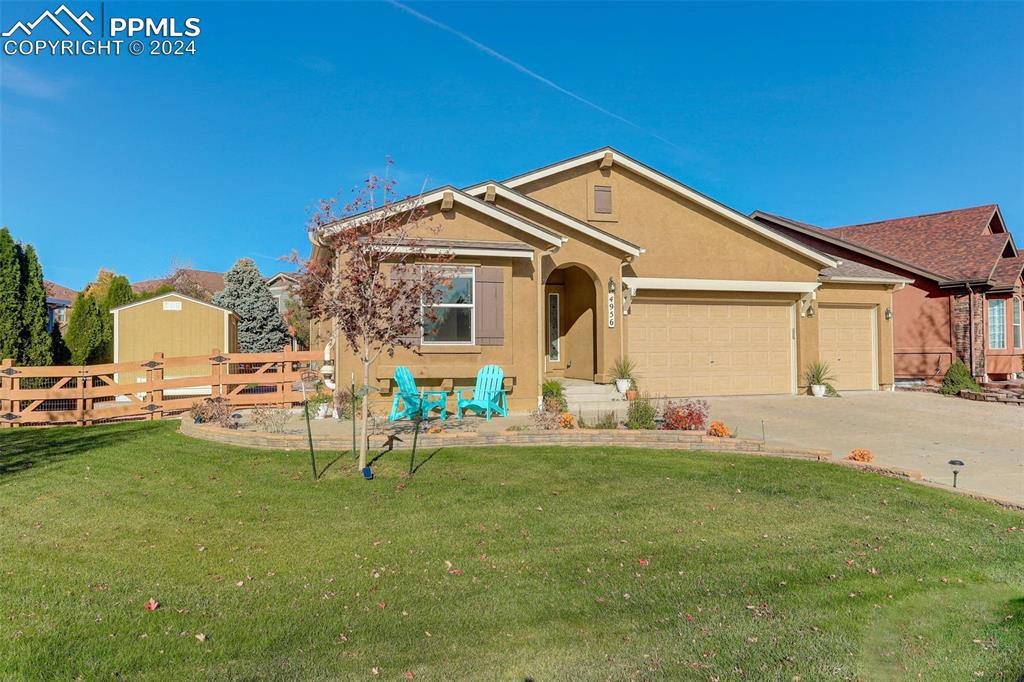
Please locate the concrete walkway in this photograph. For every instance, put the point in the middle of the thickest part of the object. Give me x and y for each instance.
(913, 430)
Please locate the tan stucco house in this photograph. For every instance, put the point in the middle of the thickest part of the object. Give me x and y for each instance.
(600, 256)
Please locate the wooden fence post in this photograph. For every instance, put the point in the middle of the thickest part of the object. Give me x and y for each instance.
(156, 395)
(7, 384)
(216, 370)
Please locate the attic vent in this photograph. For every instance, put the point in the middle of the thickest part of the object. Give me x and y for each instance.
(602, 199)
(172, 305)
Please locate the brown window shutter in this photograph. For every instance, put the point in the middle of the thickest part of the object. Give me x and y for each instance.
(602, 199)
(409, 274)
(490, 306)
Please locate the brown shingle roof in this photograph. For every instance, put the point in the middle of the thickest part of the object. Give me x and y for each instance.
(1007, 272)
(956, 244)
(54, 290)
(213, 282)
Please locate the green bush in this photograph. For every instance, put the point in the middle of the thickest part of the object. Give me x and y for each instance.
(641, 413)
(554, 390)
(958, 377)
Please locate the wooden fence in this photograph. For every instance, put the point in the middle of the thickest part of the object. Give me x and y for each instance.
(151, 390)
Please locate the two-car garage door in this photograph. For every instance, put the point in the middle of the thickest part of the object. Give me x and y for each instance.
(687, 348)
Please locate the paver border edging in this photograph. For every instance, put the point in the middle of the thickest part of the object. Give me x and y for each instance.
(674, 440)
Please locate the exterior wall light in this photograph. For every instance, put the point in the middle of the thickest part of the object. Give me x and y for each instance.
(809, 310)
(957, 465)
(611, 285)
(888, 313)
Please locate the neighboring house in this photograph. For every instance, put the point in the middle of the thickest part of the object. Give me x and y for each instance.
(281, 287)
(965, 297)
(59, 300)
(208, 281)
(578, 263)
(175, 325)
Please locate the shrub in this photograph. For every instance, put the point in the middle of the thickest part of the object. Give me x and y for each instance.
(719, 430)
(958, 377)
(345, 404)
(546, 420)
(860, 455)
(269, 419)
(689, 415)
(640, 414)
(605, 421)
(566, 421)
(553, 389)
(213, 411)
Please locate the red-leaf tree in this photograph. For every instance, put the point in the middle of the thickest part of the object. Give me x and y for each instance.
(381, 279)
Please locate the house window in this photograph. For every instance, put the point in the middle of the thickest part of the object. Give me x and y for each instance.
(602, 199)
(554, 346)
(997, 323)
(1017, 313)
(62, 315)
(453, 313)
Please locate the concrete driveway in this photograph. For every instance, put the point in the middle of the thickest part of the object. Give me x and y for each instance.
(913, 430)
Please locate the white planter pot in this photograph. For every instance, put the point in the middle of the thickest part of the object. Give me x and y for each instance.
(818, 390)
(622, 385)
(321, 411)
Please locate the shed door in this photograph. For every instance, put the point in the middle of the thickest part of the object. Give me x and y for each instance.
(847, 342)
(685, 348)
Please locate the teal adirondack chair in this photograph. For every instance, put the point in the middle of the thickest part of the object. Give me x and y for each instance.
(488, 395)
(414, 402)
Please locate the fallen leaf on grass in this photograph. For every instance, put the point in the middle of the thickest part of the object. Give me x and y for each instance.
(151, 605)
(201, 637)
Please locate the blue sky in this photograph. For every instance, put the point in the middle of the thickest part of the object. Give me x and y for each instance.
(830, 113)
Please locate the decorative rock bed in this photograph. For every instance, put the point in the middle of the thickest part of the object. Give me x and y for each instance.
(676, 440)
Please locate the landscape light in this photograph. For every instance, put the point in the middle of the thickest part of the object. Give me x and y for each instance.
(956, 464)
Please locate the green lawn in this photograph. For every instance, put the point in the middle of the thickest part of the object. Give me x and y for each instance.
(542, 563)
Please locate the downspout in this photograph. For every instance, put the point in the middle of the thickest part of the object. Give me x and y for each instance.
(970, 326)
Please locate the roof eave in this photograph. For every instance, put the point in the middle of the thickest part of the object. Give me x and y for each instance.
(941, 280)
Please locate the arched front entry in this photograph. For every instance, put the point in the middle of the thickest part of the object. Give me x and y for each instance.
(571, 316)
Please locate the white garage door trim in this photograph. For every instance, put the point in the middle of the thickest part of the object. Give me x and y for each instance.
(793, 367)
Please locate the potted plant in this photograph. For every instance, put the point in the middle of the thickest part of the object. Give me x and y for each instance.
(631, 392)
(319, 405)
(818, 375)
(622, 373)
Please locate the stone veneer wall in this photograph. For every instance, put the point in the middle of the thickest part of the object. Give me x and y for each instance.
(965, 335)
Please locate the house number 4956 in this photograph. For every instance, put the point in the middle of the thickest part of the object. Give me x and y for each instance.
(611, 310)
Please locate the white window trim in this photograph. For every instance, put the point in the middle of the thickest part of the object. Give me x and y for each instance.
(471, 306)
(558, 323)
(1001, 304)
(1017, 322)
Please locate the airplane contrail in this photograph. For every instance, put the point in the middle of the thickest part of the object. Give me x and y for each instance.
(522, 69)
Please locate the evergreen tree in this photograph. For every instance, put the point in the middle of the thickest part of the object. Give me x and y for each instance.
(119, 293)
(58, 349)
(35, 340)
(10, 297)
(260, 325)
(85, 330)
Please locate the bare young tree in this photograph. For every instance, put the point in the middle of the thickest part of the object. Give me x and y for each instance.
(380, 282)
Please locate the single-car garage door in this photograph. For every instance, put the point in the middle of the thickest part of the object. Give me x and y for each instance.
(683, 348)
(847, 342)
